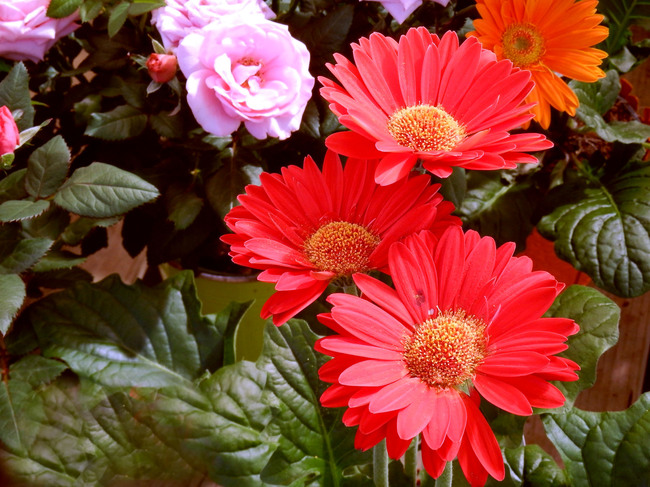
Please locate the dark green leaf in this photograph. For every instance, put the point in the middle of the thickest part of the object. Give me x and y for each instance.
(620, 15)
(314, 445)
(604, 449)
(454, 188)
(81, 227)
(12, 187)
(531, 466)
(49, 224)
(102, 190)
(183, 208)
(57, 260)
(120, 123)
(16, 210)
(599, 96)
(25, 254)
(121, 335)
(117, 18)
(603, 227)
(227, 183)
(598, 318)
(166, 125)
(90, 9)
(139, 7)
(14, 92)
(12, 290)
(327, 34)
(47, 168)
(62, 8)
(500, 205)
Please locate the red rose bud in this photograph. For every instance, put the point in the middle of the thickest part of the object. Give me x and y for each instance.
(162, 67)
(9, 133)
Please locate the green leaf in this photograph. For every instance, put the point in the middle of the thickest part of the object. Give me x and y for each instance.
(499, 204)
(12, 290)
(604, 449)
(24, 255)
(531, 466)
(224, 186)
(81, 227)
(314, 445)
(16, 210)
(90, 9)
(120, 123)
(595, 100)
(14, 92)
(598, 318)
(602, 227)
(102, 190)
(12, 187)
(57, 260)
(117, 18)
(620, 15)
(139, 7)
(62, 8)
(327, 34)
(166, 125)
(183, 208)
(121, 335)
(47, 168)
(601, 95)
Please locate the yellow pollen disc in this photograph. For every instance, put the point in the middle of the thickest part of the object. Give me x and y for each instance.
(425, 128)
(341, 247)
(523, 44)
(444, 351)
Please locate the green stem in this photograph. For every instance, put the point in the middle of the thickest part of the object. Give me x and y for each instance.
(411, 460)
(380, 464)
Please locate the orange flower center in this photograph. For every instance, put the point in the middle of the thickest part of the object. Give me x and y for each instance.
(444, 351)
(523, 44)
(341, 247)
(425, 128)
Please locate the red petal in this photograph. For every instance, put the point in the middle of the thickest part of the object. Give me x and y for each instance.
(503, 395)
(483, 442)
(373, 373)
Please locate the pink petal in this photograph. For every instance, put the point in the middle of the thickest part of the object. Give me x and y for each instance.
(370, 373)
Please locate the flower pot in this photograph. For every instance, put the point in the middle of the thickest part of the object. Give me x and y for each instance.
(216, 291)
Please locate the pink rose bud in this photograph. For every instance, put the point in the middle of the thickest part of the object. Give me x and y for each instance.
(162, 67)
(9, 134)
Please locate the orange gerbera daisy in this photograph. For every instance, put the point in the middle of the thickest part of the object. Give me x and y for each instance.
(546, 37)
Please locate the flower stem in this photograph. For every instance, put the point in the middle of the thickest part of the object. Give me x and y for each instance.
(411, 460)
(380, 464)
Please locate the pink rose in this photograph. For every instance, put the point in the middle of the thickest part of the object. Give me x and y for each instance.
(9, 134)
(162, 67)
(401, 9)
(254, 73)
(26, 32)
(180, 17)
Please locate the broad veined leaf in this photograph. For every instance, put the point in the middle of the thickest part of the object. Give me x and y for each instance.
(16, 210)
(12, 187)
(24, 255)
(117, 18)
(500, 205)
(598, 318)
(607, 449)
(225, 185)
(12, 290)
(55, 260)
(595, 100)
(120, 123)
(529, 465)
(102, 190)
(121, 335)
(47, 168)
(14, 93)
(602, 227)
(314, 446)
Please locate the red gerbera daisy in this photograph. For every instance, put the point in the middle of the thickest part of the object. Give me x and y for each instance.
(464, 316)
(430, 99)
(306, 228)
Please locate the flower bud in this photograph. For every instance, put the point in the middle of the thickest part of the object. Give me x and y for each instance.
(9, 133)
(162, 67)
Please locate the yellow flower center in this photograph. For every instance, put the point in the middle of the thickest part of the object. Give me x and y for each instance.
(341, 247)
(425, 128)
(523, 44)
(444, 351)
